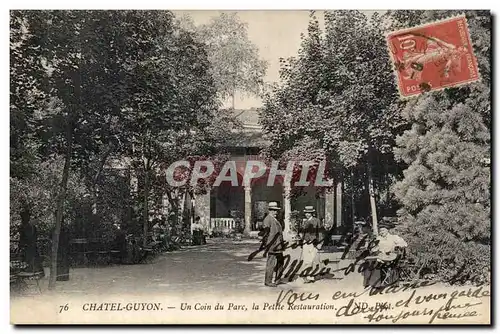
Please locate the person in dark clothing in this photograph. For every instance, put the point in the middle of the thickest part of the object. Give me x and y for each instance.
(28, 235)
(121, 243)
(134, 249)
(197, 231)
(273, 237)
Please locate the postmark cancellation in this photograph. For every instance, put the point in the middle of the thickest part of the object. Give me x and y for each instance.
(433, 56)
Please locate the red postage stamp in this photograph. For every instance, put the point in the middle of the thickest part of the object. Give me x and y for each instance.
(433, 56)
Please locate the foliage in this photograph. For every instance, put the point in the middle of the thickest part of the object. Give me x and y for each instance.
(38, 193)
(26, 98)
(337, 101)
(88, 86)
(446, 188)
(234, 59)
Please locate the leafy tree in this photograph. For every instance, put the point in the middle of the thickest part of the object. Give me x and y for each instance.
(92, 61)
(82, 86)
(26, 100)
(445, 192)
(337, 101)
(234, 59)
(26, 97)
(88, 86)
(173, 108)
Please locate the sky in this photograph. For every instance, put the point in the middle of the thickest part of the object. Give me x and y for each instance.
(275, 33)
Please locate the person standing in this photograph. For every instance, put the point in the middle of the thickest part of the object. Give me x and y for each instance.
(120, 243)
(310, 235)
(28, 235)
(273, 238)
(197, 231)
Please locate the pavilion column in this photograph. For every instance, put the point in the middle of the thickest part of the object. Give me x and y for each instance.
(338, 198)
(248, 210)
(287, 207)
(202, 208)
(330, 208)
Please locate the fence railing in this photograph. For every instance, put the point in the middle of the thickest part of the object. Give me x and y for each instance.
(222, 223)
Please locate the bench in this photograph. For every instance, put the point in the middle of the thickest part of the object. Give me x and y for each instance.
(152, 249)
(79, 251)
(253, 234)
(93, 251)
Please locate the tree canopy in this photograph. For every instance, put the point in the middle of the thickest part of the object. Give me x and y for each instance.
(90, 85)
(235, 61)
(337, 100)
(445, 192)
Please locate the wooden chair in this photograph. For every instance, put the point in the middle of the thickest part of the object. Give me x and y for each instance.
(31, 276)
(115, 256)
(79, 251)
(393, 267)
(410, 271)
(386, 274)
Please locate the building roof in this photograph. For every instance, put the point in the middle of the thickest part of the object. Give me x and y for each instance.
(249, 117)
(251, 135)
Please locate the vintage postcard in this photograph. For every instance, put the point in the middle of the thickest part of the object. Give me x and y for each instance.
(250, 167)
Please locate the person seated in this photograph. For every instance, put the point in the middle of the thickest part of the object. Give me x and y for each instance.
(361, 236)
(388, 245)
(381, 269)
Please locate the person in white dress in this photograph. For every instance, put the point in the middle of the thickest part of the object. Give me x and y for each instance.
(310, 233)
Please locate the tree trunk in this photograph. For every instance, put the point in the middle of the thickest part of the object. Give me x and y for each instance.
(387, 182)
(353, 208)
(95, 192)
(60, 208)
(233, 93)
(146, 208)
(95, 180)
(174, 204)
(373, 205)
(182, 208)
